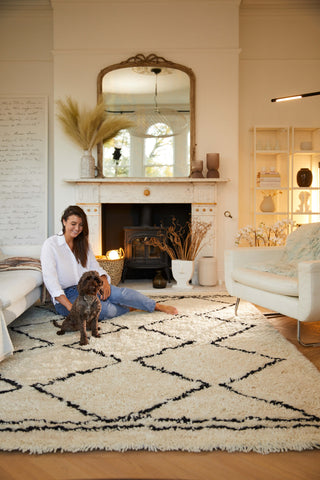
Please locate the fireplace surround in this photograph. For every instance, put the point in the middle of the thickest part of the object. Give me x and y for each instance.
(200, 193)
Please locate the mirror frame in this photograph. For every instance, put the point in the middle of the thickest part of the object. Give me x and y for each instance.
(150, 60)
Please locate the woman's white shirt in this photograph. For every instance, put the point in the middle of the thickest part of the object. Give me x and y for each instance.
(60, 269)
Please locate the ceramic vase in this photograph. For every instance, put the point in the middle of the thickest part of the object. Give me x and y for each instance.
(182, 271)
(267, 204)
(196, 169)
(304, 177)
(87, 166)
(213, 161)
(159, 281)
(207, 271)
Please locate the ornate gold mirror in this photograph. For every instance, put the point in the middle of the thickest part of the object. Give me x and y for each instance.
(159, 97)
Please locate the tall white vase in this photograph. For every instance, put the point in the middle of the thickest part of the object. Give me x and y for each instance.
(87, 167)
(182, 271)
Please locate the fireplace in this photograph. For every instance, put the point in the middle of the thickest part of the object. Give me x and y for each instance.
(94, 194)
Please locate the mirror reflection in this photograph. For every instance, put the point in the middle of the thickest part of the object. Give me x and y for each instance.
(158, 96)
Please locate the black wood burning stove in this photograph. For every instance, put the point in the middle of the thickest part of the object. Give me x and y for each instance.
(139, 255)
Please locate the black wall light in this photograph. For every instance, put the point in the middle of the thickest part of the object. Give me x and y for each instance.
(294, 97)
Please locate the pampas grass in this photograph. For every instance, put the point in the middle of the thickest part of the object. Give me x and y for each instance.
(182, 242)
(88, 127)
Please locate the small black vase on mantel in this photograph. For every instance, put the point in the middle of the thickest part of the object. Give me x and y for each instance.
(304, 177)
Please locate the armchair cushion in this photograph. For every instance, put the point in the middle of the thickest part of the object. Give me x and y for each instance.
(302, 245)
(270, 282)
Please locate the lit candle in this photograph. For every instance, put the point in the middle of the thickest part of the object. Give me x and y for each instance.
(112, 255)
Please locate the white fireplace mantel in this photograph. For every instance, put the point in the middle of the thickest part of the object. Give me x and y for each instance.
(201, 193)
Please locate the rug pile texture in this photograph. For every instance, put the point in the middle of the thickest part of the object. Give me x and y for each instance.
(198, 381)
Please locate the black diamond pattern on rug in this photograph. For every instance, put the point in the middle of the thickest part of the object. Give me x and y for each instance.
(200, 380)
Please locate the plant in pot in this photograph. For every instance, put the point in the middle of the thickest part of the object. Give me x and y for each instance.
(182, 244)
(88, 127)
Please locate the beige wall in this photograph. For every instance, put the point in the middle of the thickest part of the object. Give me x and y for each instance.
(280, 55)
(26, 61)
(59, 52)
(189, 33)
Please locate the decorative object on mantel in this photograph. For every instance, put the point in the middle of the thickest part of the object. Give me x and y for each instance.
(88, 127)
(182, 244)
(264, 235)
(304, 177)
(112, 262)
(207, 271)
(196, 169)
(213, 160)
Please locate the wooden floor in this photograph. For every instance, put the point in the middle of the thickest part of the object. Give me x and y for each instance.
(175, 465)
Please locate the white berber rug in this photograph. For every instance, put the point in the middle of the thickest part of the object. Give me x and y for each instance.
(198, 381)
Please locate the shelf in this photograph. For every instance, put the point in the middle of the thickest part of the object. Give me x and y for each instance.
(278, 149)
(271, 213)
(305, 213)
(305, 188)
(306, 152)
(271, 152)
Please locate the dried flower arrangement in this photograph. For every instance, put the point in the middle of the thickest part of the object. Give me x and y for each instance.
(88, 127)
(272, 194)
(264, 235)
(182, 242)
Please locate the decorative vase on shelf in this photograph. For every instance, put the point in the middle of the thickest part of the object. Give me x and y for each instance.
(87, 166)
(182, 271)
(304, 177)
(267, 204)
(159, 281)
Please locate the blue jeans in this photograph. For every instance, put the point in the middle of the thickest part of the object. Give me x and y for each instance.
(117, 304)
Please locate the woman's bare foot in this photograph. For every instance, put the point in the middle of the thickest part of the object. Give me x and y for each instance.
(166, 309)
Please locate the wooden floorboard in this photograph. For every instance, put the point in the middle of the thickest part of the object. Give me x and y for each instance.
(175, 465)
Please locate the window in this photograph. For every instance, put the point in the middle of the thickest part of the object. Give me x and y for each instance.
(158, 152)
(113, 164)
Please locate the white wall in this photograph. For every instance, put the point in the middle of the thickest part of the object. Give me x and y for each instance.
(192, 33)
(280, 56)
(26, 61)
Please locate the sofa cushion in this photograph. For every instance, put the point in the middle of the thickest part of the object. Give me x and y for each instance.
(270, 282)
(16, 284)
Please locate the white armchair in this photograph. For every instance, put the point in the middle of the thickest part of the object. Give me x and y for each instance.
(255, 274)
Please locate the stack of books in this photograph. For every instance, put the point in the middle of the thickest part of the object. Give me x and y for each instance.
(268, 180)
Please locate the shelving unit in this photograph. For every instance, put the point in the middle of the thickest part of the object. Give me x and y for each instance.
(278, 154)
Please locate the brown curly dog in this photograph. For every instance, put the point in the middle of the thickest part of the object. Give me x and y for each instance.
(85, 310)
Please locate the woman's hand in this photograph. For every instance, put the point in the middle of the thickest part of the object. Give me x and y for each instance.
(105, 287)
(64, 301)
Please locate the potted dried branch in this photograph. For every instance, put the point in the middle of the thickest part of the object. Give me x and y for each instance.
(88, 127)
(182, 244)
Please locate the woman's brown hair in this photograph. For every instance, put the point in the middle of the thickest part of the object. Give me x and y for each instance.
(81, 242)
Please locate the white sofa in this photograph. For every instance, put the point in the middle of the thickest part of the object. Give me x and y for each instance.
(294, 295)
(19, 290)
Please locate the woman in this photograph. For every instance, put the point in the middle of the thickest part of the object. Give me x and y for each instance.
(67, 255)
